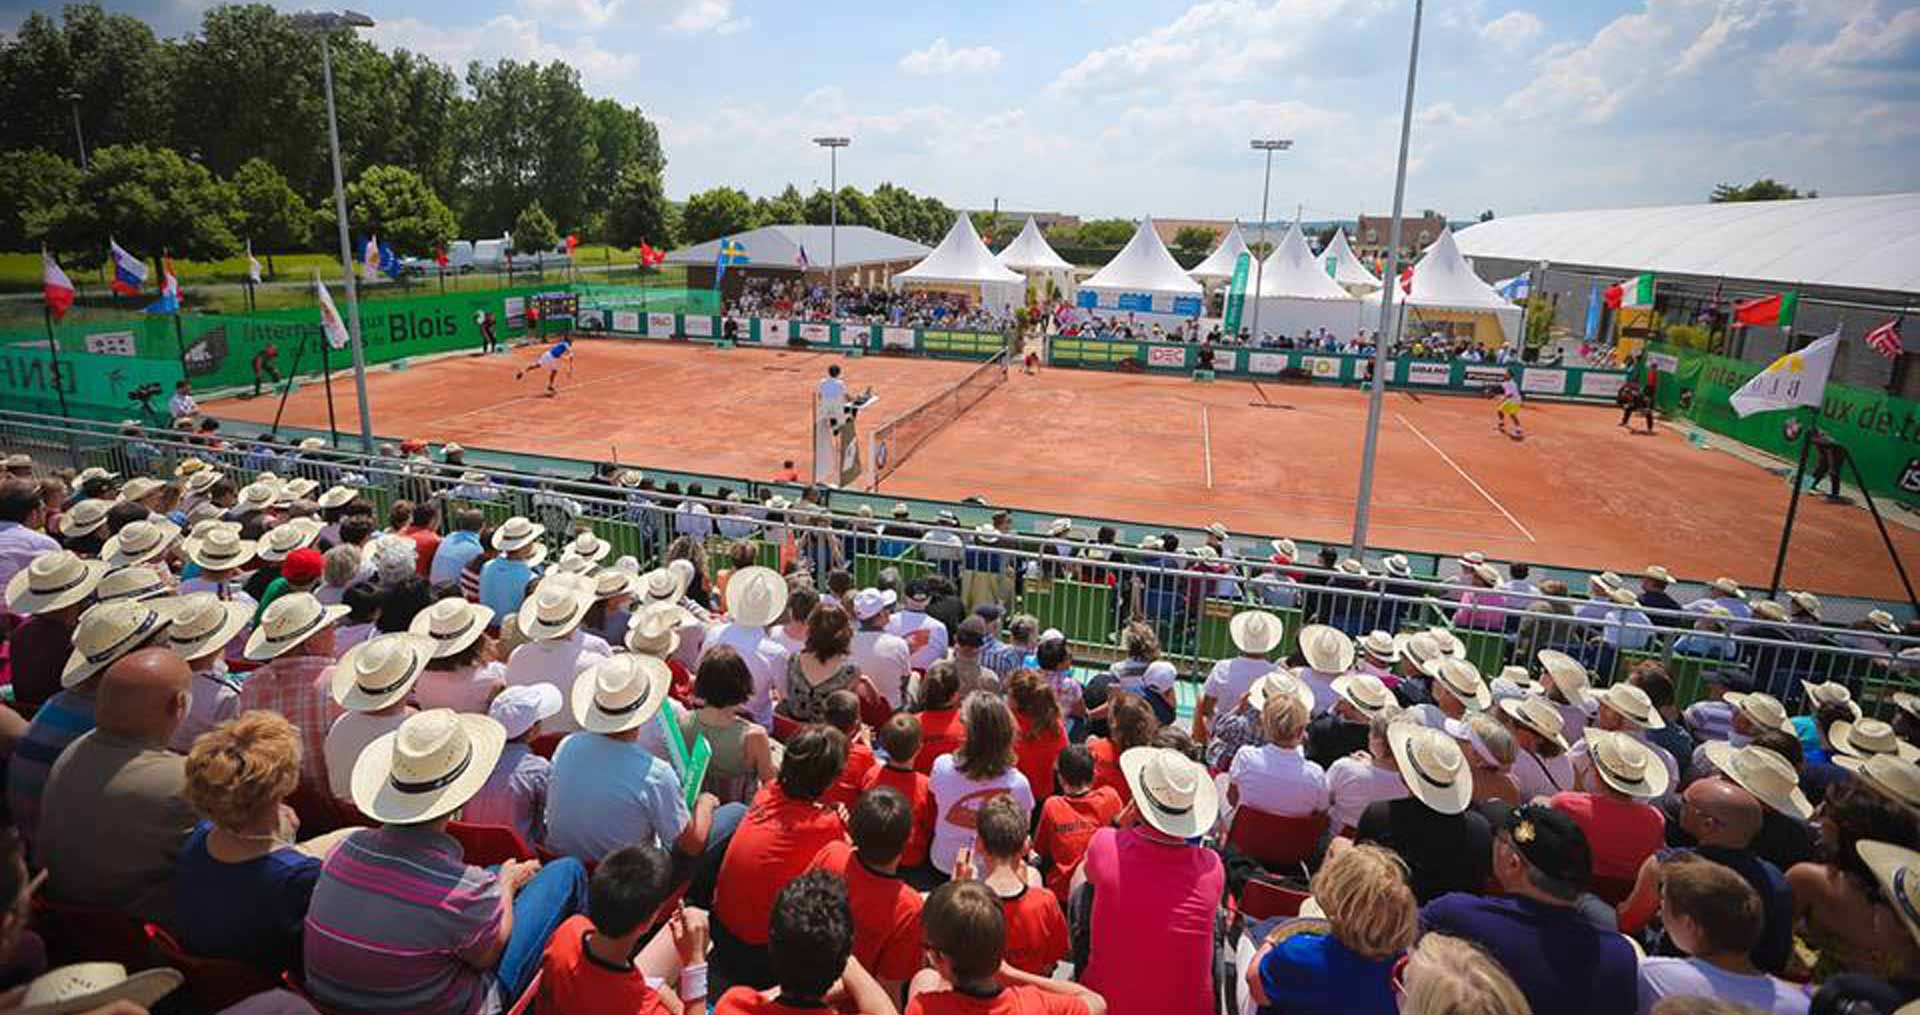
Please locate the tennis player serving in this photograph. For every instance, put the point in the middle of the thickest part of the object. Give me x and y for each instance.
(561, 351)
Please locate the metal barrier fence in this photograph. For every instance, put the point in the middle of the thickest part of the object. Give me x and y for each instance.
(1088, 591)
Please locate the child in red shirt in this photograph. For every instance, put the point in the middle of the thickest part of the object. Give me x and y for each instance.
(810, 948)
(1042, 736)
(966, 937)
(1069, 818)
(940, 729)
(886, 910)
(595, 962)
(841, 710)
(900, 739)
(1036, 926)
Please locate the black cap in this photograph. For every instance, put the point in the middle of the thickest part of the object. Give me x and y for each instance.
(990, 612)
(1552, 842)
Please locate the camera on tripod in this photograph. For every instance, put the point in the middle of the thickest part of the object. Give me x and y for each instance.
(144, 393)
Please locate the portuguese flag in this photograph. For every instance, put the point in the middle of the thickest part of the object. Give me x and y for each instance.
(1634, 292)
(1774, 310)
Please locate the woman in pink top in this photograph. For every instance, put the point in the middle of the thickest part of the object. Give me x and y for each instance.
(1480, 605)
(463, 675)
(1155, 891)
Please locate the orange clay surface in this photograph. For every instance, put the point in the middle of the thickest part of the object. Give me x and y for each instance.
(1579, 491)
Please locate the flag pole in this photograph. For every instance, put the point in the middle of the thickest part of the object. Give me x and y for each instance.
(53, 353)
(326, 381)
(286, 386)
(1793, 504)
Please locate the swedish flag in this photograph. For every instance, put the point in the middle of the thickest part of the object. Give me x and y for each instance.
(731, 252)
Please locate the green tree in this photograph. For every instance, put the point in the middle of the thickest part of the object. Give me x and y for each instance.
(398, 206)
(987, 223)
(710, 214)
(1487, 216)
(533, 231)
(29, 180)
(638, 211)
(248, 85)
(1105, 233)
(120, 73)
(785, 208)
(934, 221)
(855, 209)
(1324, 236)
(1763, 189)
(150, 199)
(271, 214)
(1194, 239)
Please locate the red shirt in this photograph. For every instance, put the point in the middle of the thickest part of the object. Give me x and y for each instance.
(748, 1001)
(914, 786)
(1067, 823)
(573, 979)
(1034, 756)
(426, 543)
(1106, 767)
(776, 841)
(1036, 931)
(787, 476)
(940, 733)
(1010, 1001)
(853, 778)
(886, 914)
(1621, 833)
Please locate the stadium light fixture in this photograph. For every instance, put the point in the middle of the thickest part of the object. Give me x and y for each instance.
(833, 144)
(1268, 145)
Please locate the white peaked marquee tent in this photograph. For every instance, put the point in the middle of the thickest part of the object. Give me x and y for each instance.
(1218, 267)
(1143, 278)
(1031, 255)
(1296, 294)
(961, 263)
(1447, 292)
(1347, 269)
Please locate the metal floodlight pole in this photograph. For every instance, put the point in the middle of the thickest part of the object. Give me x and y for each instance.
(833, 146)
(1268, 145)
(79, 139)
(1389, 329)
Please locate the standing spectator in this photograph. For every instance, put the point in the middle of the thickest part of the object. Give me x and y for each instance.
(294, 640)
(515, 795)
(881, 657)
(1448, 846)
(1341, 963)
(981, 769)
(1713, 917)
(461, 675)
(1255, 635)
(457, 550)
(201, 630)
(370, 683)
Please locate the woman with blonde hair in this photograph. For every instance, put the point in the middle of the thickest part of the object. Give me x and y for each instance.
(1449, 976)
(983, 768)
(1343, 962)
(1276, 777)
(1490, 751)
(241, 888)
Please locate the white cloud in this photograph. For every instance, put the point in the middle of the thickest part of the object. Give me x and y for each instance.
(943, 58)
(1215, 43)
(1512, 30)
(603, 72)
(714, 16)
(596, 13)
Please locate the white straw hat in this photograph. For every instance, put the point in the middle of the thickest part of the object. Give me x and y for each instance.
(1059, 526)
(654, 629)
(756, 596)
(1363, 691)
(517, 532)
(1256, 632)
(288, 621)
(1539, 715)
(1397, 565)
(609, 582)
(555, 607)
(298, 488)
(54, 580)
(1419, 647)
(1462, 679)
(1808, 603)
(1831, 692)
(1883, 621)
(1896, 779)
(140, 488)
(203, 480)
(139, 581)
(1279, 682)
(91, 473)
(620, 693)
(108, 631)
(1566, 673)
(1450, 643)
(379, 671)
(139, 542)
(1632, 703)
(1868, 737)
(1727, 587)
(1432, 765)
(204, 623)
(1173, 794)
(256, 496)
(1659, 574)
(85, 518)
(219, 548)
(435, 762)
(1762, 709)
(1285, 548)
(453, 623)
(283, 539)
(1763, 773)
(1626, 764)
(661, 586)
(1379, 645)
(1897, 868)
(1327, 649)
(89, 986)
(587, 546)
(336, 497)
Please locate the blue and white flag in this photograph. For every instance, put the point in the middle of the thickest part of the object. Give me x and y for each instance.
(1515, 289)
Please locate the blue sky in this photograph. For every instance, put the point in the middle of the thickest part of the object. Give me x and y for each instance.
(1127, 107)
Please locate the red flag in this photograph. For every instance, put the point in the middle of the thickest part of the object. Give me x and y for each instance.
(55, 284)
(440, 256)
(1885, 339)
(649, 257)
(1776, 309)
(572, 242)
(1406, 280)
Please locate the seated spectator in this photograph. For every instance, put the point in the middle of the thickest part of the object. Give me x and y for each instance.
(1457, 687)
(1748, 713)
(1069, 818)
(1341, 963)
(1446, 975)
(742, 759)
(1137, 673)
(1276, 777)
(881, 656)
(1342, 729)
(370, 683)
(981, 769)
(1627, 710)
(1722, 818)
(782, 832)
(399, 922)
(463, 674)
(241, 887)
(1568, 689)
(602, 961)
(1055, 660)
(1490, 751)
(294, 639)
(1712, 916)
(822, 666)
(114, 839)
(50, 592)
(1155, 890)
(1841, 913)
(362, 600)
(506, 574)
(841, 710)
(809, 951)
(201, 629)
(1356, 782)
(967, 941)
(1447, 846)
(900, 743)
(1036, 926)
(556, 651)
(1561, 962)
(1040, 735)
(886, 910)
(460, 548)
(1132, 725)
(1611, 807)
(1329, 654)
(1255, 635)
(515, 795)
(1540, 764)
(940, 729)
(1671, 736)
(1761, 768)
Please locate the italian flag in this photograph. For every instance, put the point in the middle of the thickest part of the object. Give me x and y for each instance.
(1634, 292)
(1777, 309)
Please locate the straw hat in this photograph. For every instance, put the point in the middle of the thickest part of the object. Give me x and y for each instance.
(1419, 647)
(1327, 649)
(1566, 673)
(1217, 529)
(379, 671)
(1539, 715)
(1807, 601)
(219, 548)
(1898, 871)
(555, 607)
(286, 622)
(1450, 643)
(204, 623)
(1151, 542)
(577, 566)
(1763, 773)
(1770, 610)
(655, 629)
(1762, 709)
(1380, 646)
(18, 460)
(662, 586)
(1626, 764)
(1279, 682)
(1727, 587)
(202, 480)
(298, 488)
(1432, 765)
(108, 631)
(609, 582)
(1462, 679)
(1907, 702)
(1173, 794)
(1659, 574)
(139, 542)
(1887, 773)
(1474, 557)
(756, 596)
(587, 546)
(140, 488)
(91, 473)
(337, 497)
(311, 443)
(1519, 677)
(54, 580)
(256, 496)
(1350, 566)
(1397, 565)
(620, 693)
(1363, 691)
(137, 582)
(1486, 573)
(1623, 597)
(1883, 621)
(1059, 526)
(1204, 552)
(453, 624)
(287, 537)
(1256, 632)
(516, 533)
(1285, 547)
(1868, 737)
(86, 986)
(1832, 692)
(435, 762)
(85, 518)
(1633, 704)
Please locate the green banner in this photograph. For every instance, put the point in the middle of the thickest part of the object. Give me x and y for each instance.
(96, 386)
(1236, 296)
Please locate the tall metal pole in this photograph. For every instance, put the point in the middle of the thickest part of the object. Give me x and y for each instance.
(1260, 259)
(1389, 330)
(79, 139)
(346, 257)
(833, 233)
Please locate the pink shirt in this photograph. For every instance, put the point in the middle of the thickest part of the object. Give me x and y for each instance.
(1477, 610)
(469, 689)
(1153, 907)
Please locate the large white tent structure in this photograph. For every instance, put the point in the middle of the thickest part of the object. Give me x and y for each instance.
(1218, 267)
(962, 264)
(1142, 279)
(1448, 296)
(1347, 269)
(1031, 255)
(1296, 294)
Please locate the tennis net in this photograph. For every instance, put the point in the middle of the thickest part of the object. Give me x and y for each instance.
(896, 440)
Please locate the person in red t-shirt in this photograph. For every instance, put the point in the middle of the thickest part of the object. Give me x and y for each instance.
(596, 962)
(1069, 818)
(1042, 736)
(886, 910)
(785, 828)
(841, 710)
(1036, 926)
(900, 739)
(787, 473)
(424, 530)
(809, 950)
(966, 938)
(1132, 724)
(1621, 826)
(940, 728)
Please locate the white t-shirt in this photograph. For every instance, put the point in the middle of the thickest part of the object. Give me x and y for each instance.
(1352, 784)
(765, 659)
(926, 636)
(558, 662)
(884, 659)
(1321, 686)
(1229, 682)
(833, 393)
(957, 799)
(1279, 780)
(346, 738)
(1669, 977)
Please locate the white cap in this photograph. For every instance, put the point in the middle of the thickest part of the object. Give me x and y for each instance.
(868, 603)
(518, 707)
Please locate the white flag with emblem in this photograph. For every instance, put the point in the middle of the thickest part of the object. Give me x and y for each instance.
(330, 322)
(1796, 379)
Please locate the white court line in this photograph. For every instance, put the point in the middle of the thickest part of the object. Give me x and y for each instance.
(1206, 444)
(1497, 506)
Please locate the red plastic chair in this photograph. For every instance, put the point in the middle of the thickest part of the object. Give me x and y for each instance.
(90, 934)
(525, 1004)
(1262, 900)
(784, 727)
(1277, 842)
(546, 743)
(213, 983)
(321, 812)
(486, 845)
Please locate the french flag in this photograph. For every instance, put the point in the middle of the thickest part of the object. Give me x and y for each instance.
(129, 272)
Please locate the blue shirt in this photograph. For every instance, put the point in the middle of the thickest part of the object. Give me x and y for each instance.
(1309, 972)
(604, 794)
(455, 553)
(64, 718)
(503, 586)
(251, 911)
(1562, 963)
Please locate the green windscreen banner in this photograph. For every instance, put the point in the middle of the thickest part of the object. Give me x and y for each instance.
(1236, 296)
(112, 385)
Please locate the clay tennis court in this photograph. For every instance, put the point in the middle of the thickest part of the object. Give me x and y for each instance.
(1579, 491)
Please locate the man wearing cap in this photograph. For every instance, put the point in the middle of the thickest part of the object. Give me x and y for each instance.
(926, 636)
(881, 657)
(1448, 846)
(294, 640)
(515, 795)
(1255, 634)
(50, 593)
(1560, 961)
